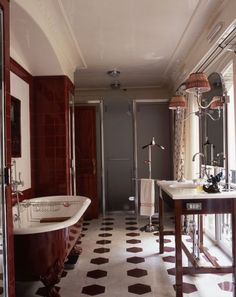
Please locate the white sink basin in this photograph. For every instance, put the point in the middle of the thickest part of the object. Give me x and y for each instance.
(183, 185)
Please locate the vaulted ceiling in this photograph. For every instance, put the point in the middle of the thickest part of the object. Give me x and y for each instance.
(146, 40)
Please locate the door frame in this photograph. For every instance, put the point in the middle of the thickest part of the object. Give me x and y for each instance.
(98, 103)
(135, 137)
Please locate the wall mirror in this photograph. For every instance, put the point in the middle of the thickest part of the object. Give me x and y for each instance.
(212, 124)
(15, 127)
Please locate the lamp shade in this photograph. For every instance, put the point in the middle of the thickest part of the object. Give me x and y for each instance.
(197, 82)
(216, 102)
(178, 102)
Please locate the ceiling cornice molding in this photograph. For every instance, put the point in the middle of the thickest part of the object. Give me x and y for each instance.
(72, 34)
(204, 8)
(51, 19)
(224, 13)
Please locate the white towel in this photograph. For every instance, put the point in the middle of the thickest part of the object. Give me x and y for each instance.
(147, 197)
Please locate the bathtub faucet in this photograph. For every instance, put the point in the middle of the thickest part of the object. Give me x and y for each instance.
(15, 191)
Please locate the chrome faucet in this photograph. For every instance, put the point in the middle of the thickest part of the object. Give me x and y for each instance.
(14, 185)
(201, 163)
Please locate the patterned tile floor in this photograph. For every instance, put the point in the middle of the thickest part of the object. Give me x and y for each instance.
(120, 260)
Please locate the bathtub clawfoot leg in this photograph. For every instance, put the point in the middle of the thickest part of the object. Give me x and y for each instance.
(52, 277)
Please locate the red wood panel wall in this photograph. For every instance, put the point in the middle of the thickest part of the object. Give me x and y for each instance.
(50, 138)
(6, 76)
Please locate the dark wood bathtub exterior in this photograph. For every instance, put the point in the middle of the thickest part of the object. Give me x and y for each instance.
(41, 256)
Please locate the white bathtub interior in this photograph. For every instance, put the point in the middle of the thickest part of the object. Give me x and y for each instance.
(48, 213)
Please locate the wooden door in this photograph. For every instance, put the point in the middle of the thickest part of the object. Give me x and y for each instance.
(85, 157)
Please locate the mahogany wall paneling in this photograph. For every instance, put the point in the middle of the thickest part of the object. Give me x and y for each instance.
(51, 135)
(6, 56)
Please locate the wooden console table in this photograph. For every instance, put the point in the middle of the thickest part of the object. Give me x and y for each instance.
(189, 201)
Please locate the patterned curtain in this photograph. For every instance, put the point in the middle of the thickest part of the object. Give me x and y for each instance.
(179, 145)
(191, 139)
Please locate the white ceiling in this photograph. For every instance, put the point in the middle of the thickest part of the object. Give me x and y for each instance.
(146, 40)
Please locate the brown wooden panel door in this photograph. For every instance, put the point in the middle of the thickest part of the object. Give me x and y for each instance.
(86, 157)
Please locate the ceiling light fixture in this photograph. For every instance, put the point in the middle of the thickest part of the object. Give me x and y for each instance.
(113, 73)
(197, 83)
(115, 85)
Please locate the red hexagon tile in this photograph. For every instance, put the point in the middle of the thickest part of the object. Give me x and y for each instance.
(134, 250)
(105, 235)
(101, 250)
(108, 219)
(169, 249)
(137, 272)
(133, 241)
(165, 240)
(107, 223)
(170, 259)
(93, 290)
(226, 286)
(104, 241)
(132, 234)
(135, 260)
(188, 288)
(106, 228)
(99, 261)
(132, 228)
(97, 273)
(139, 289)
(171, 271)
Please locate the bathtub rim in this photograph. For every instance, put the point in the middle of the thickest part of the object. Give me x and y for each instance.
(45, 227)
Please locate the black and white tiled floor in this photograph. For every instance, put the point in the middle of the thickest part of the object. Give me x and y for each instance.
(120, 260)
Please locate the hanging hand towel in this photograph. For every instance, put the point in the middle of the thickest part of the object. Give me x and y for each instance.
(147, 197)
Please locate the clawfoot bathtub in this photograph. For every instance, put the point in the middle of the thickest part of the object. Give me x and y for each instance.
(45, 231)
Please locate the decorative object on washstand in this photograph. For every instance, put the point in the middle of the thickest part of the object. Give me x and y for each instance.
(213, 186)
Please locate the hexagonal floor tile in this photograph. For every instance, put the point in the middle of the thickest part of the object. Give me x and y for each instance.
(139, 289)
(169, 249)
(226, 286)
(165, 240)
(135, 260)
(188, 288)
(105, 235)
(137, 272)
(131, 228)
(189, 240)
(106, 228)
(93, 290)
(101, 250)
(132, 234)
(99, 261)
(108, 219)
(134, 250)
(170, 259)
(97, 273)
(133, 241)
(171, 271)
(104, 241)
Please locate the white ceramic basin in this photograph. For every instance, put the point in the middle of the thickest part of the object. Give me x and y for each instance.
(183, 185)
